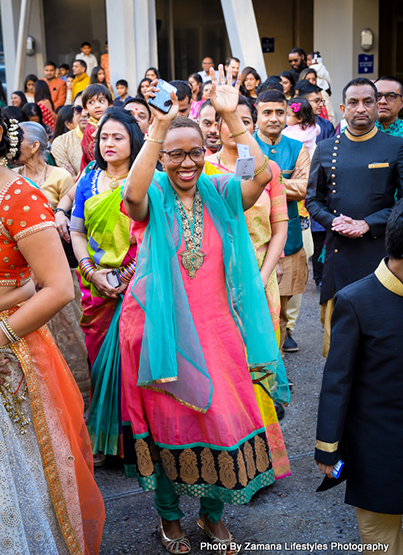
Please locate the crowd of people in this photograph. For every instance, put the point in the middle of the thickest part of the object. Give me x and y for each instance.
(171, 286)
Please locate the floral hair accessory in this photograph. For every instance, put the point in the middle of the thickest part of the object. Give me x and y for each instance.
(295, 107)
(12, 133)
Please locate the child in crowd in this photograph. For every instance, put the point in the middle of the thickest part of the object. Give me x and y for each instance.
(96, 100)
(122, 88)
(64, 70)
(301, 124)
(69, 83)
(87, 57)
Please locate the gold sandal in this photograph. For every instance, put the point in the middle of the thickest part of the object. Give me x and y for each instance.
(173, 546)
(227, 542)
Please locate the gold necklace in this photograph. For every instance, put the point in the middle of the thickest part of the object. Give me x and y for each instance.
(224, 163)
(188, 209)
(114, 184)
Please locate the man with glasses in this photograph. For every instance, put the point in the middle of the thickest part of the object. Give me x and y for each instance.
(297, 61)
(313, 93)
(66, 148)
(390, 103)
(352, 185)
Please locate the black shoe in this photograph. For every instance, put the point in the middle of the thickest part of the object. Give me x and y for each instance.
(279, 410)
(290, 346)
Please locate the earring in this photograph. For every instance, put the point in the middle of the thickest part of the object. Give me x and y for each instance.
(219, 141)
(32, 151)
(3, 162)
(163, 167)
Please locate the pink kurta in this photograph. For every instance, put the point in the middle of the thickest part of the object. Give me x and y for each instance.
(233, 418)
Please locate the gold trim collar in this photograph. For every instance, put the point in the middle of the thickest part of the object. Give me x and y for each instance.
(266, 140)
(361, 138)
(388, 279)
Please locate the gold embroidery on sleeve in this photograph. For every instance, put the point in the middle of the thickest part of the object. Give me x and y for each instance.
(327, 447)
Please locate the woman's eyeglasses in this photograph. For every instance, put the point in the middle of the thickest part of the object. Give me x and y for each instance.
(178, 156)
(77, 109)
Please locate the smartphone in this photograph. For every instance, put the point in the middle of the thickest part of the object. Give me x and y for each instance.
(113, 279)
(162, 100)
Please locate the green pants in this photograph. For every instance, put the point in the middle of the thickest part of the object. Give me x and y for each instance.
(167, 502)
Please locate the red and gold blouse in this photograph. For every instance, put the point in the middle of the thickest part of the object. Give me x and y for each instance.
(24, 210)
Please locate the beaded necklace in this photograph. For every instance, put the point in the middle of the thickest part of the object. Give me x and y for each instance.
(192, 257)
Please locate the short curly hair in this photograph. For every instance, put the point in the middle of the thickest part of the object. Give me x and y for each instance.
(181, 121)
(5, 143)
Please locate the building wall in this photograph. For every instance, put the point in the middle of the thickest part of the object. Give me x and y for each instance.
(71, 22)
(337, 35)
(10, 11)
(290, 23)
(391, 38)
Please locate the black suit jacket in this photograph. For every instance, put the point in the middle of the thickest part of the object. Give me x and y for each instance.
(358, 179)
(360, 417)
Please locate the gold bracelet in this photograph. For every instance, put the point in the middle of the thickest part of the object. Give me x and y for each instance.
(148, 138)
(239, 134)
(266, 163)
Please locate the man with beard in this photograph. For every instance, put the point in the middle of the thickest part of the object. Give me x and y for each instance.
(297, 61)
(390, 102)
(352, 185)
(208, 126)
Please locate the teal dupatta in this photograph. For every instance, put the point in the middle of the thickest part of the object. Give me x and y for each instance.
(171, 359)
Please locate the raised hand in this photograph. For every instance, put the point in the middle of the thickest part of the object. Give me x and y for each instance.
(224, 96)
(158, 115)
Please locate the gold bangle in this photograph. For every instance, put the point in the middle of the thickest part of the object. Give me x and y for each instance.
(148, 138)
(8, 331)
(266, 163)
(239, 134)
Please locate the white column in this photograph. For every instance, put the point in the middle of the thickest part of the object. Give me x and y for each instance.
(121, 42)
(337, 36)
(146, 36)
(152, 30)
(9, 22)
(25, 15)
(132, 39)
(243, 34)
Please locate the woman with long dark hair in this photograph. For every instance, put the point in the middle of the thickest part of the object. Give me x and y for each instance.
(250, 81)
(52, 503)
(29, 86)
(196, 82)
(288, 82)
(98, 76)
(44, 100)
(18, 99)
(100, 234)
(152, 73)
(64, 121)
(143, 86)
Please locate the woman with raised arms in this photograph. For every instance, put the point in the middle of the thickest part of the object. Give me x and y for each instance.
(196, 330)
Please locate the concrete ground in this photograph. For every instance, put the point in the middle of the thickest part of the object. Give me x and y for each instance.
(283, 515)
